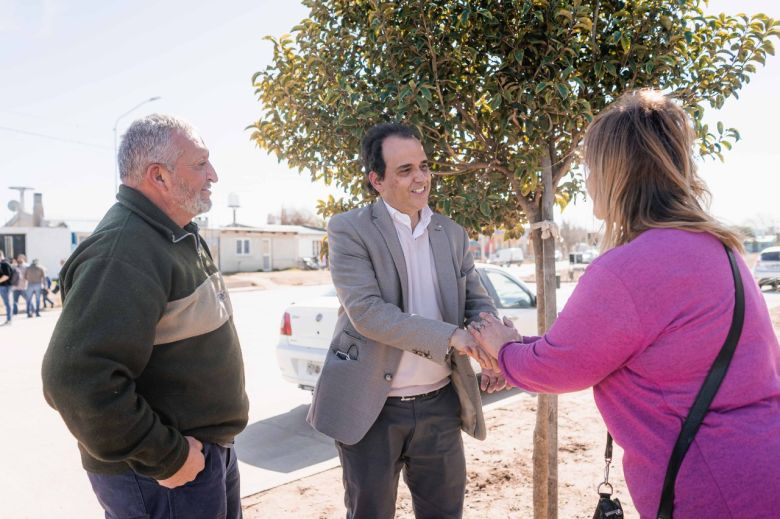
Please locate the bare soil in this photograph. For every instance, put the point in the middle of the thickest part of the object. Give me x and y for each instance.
(500, 470)
(270, 280)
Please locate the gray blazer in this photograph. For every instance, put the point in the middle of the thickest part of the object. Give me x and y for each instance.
(369, 271)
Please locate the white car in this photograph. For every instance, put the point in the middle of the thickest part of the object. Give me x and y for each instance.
(767, 269)
(506, 257)
(308, 326)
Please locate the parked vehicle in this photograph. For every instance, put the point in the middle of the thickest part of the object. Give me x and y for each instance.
(767, 269)
(583, 257)
(308, 326)
(506, 257)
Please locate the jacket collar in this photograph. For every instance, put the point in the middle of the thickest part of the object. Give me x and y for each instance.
(135, 201)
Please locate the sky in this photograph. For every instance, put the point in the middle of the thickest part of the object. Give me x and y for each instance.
(69, 70)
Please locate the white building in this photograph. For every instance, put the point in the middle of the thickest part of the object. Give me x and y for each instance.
(36, 238)
(267, 247)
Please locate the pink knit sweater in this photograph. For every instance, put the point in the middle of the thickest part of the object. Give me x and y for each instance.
(643, 327)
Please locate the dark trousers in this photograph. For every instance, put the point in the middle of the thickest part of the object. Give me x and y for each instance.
(214, 494)
(423, 438)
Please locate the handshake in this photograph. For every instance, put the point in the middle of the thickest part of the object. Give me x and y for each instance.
(482, 340)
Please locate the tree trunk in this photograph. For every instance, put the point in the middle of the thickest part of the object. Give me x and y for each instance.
(545, 455)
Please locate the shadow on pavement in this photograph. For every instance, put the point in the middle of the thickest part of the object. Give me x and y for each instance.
(284, 443)
(492, 398)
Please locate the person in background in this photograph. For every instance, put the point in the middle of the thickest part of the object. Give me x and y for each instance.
(20, 288)
(6, 275)
(648, 318)
(35, 276)
(45, 293)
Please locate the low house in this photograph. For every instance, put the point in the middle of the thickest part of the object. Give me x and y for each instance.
(37, 238)
(240, 248)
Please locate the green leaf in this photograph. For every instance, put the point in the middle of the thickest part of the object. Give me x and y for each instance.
(484, 208)
(513, 82)
(626, 44)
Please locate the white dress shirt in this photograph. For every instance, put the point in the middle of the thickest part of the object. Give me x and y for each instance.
(417, 375)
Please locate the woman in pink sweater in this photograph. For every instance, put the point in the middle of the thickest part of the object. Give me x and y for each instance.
(648, 318)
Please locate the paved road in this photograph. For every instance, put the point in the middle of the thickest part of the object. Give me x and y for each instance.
(41, 476)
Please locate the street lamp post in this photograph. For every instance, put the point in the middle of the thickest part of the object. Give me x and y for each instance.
(116, 123)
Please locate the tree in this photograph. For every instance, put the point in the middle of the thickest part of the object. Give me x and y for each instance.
(298, 216)
(571, 235)
(501, 92)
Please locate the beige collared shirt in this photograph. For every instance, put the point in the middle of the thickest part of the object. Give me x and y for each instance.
(416, 374)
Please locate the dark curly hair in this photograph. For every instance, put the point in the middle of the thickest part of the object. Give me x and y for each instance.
(371, 149)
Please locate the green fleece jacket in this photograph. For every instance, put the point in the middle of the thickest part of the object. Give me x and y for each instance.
(145, 351)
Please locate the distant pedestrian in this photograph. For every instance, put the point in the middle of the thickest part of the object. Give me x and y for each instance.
(20, 287)
(6, 275)
(35, 275)
(47, 283)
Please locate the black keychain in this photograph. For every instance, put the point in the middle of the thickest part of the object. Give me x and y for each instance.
(607, 508)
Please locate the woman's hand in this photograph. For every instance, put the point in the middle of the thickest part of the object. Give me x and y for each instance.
(491, 334)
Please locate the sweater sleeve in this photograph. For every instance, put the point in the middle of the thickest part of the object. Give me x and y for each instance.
(101, 344)
(598, 331)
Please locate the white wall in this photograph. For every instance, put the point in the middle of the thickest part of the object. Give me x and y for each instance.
(230, 261)
(287, 249)
(284, 248)
(48, 244)
(305, 247)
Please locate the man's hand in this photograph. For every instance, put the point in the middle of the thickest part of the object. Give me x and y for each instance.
(492, 381)
(462, 342)
(194, 463)
(491, 334)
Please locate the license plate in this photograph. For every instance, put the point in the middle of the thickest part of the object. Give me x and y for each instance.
(313, 368)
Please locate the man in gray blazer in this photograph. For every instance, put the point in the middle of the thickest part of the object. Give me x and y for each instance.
(397, 388)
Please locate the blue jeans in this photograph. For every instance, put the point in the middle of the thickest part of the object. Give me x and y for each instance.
(34, 289)
(20, 292)
(5, 296)
(214, 494)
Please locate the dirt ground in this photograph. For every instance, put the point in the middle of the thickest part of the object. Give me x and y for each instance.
(499, 470)
(269, 280)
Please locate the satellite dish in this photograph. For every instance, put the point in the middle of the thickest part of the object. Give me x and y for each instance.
(14, 205)
(233, 201)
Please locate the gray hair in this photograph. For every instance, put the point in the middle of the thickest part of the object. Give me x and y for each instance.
(148, 141)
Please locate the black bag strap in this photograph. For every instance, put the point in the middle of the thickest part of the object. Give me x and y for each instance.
(706, 394)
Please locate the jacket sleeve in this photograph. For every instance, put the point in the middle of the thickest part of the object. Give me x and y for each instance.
(101, 344)
(598, 332)
(358, 290)
(477, 298)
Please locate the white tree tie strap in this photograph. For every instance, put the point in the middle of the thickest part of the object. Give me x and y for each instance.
(549, 229)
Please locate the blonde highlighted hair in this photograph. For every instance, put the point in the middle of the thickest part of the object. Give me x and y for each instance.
(639, 152)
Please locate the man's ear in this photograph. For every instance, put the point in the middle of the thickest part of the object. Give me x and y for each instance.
(373, 178)
(156, 177)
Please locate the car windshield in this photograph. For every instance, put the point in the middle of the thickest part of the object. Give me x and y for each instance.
(510, 294)
(770, 256)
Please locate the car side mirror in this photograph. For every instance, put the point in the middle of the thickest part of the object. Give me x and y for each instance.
(533, 301)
